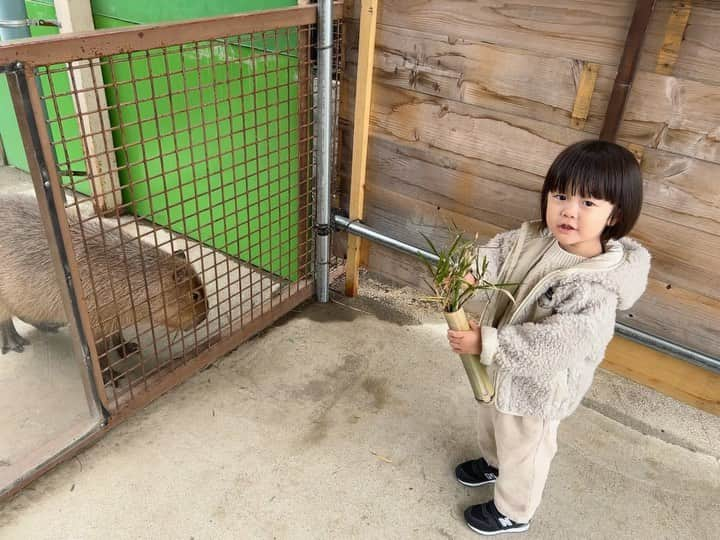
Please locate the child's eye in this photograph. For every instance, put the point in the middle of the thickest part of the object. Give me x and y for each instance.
(560, 196)
(589, 203)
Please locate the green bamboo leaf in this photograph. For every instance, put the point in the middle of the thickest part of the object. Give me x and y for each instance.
(432, 246)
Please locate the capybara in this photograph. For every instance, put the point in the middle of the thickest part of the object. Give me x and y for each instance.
(121, 279)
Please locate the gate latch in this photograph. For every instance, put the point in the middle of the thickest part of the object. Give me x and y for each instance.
(20, 23)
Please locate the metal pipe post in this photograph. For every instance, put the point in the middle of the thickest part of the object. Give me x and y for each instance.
(324, 155)
(13, 12)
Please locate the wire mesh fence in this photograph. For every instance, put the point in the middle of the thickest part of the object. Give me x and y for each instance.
(188, 176)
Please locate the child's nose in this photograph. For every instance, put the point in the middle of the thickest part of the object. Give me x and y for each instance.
(569, 209)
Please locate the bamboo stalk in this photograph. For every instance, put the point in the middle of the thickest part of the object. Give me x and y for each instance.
(477, 374)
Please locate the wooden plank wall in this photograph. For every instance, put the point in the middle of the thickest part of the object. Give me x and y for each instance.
(472, 100)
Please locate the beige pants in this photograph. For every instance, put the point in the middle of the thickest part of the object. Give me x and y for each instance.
(522, 447)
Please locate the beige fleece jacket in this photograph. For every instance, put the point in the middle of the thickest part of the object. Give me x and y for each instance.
(544, 353)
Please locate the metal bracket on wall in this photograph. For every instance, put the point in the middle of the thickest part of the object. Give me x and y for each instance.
(21, 23)
(13, 67)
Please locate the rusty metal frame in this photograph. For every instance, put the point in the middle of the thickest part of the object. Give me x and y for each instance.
(19, 60)
(82, 45)
(24, 93)
(26, 100)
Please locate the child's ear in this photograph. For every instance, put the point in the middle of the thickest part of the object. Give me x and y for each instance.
(613, 219)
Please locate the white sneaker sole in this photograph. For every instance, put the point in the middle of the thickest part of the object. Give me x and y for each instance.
(521, 528)
(466, 484)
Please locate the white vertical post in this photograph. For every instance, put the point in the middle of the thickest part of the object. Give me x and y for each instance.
(87, 82)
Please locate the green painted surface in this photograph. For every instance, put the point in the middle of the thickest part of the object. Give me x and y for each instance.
(203, 154)
(9, 131)
(210, 156)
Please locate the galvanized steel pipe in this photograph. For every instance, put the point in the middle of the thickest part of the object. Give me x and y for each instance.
(359, 229)
(323, 159)
(13, 11)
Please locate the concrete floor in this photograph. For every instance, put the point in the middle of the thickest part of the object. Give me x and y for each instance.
(345, 421)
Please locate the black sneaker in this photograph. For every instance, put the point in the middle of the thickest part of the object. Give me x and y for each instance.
(487, 520)
(475, 473)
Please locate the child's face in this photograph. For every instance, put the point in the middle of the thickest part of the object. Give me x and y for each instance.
(578, 222)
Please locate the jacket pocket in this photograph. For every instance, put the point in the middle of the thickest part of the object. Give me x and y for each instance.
(559, 389)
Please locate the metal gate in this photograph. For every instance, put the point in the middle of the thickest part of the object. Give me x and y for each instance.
(174, 175)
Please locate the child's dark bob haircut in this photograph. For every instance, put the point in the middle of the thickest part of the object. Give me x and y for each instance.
(601, 170)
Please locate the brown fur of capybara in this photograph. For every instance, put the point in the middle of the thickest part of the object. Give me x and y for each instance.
(121, 278)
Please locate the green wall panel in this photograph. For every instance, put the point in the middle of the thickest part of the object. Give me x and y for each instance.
(195, 137)
(9, 130)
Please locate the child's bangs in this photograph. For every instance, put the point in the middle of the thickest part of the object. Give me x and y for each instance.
(588, 178)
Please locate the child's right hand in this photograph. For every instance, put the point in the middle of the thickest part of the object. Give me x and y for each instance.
(466, 341)
(469, 278)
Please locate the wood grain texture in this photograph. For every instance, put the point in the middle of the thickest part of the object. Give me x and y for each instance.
(674, 32)
(679, 189)
(678, 115)
(591, 31)
(472, 102)
(671, 376)
(583, 98)
(682, 316)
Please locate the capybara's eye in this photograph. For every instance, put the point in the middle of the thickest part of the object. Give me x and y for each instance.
(196, 296)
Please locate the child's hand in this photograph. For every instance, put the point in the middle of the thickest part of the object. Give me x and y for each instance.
(468, 278)
(466, 341)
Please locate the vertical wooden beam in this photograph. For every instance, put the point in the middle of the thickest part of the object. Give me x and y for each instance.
(86, 83)
(363, 99)
(674, 33)
(626, 69)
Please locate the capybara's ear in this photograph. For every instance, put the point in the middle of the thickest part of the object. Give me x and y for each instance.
(180, 253)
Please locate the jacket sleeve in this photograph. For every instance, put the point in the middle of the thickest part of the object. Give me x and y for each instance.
(582, 324)
(496, 251)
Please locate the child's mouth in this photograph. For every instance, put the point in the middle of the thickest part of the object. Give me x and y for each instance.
(567, 228)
